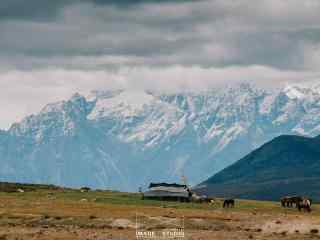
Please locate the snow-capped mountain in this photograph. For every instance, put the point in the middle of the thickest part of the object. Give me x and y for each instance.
(124, 139)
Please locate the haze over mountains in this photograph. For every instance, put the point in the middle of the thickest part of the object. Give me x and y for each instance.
(125, 139)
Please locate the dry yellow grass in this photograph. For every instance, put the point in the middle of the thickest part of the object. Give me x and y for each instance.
(107, 215)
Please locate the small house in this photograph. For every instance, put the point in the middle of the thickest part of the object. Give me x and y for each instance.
(168, 192)
(20, 190)
(84, 189)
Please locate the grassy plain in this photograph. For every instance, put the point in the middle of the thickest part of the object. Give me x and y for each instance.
(71, 214)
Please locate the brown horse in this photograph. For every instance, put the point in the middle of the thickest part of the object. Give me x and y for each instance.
(228, 203)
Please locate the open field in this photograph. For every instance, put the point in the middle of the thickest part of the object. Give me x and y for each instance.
(101, 215)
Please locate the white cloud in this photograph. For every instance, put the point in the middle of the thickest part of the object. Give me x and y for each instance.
(312, 57)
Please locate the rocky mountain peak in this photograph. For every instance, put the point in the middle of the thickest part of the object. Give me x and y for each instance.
(141, 136)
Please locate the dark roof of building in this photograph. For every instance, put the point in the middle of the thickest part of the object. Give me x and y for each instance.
(152, 185)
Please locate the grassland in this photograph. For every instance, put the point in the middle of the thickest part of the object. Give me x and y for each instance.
(56, 213)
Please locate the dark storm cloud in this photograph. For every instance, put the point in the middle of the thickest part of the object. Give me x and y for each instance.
(43, 10)
(126, 3)
(219, 33)
(31, 9)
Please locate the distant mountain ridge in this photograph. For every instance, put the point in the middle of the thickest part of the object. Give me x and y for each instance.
(125, 139)
(287, 165)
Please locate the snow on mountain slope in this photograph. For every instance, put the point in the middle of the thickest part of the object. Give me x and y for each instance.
(55, 119)
(124, 139)
(125, 104)
(140, 116)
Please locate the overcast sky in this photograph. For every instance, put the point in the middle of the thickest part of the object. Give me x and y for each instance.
(50, 49)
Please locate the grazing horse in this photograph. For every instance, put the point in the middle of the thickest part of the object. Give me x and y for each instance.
(290, 201)
(285, 201)
(305, 204)
(228, 203)
(296, 200)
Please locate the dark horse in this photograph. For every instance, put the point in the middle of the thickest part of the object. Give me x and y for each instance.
(304, 204)
(228, 203)
(290, 201)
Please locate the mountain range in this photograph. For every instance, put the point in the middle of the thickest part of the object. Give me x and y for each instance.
(287, 165)
(124, 139)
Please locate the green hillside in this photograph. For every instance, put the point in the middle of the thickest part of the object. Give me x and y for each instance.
(288, 165)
